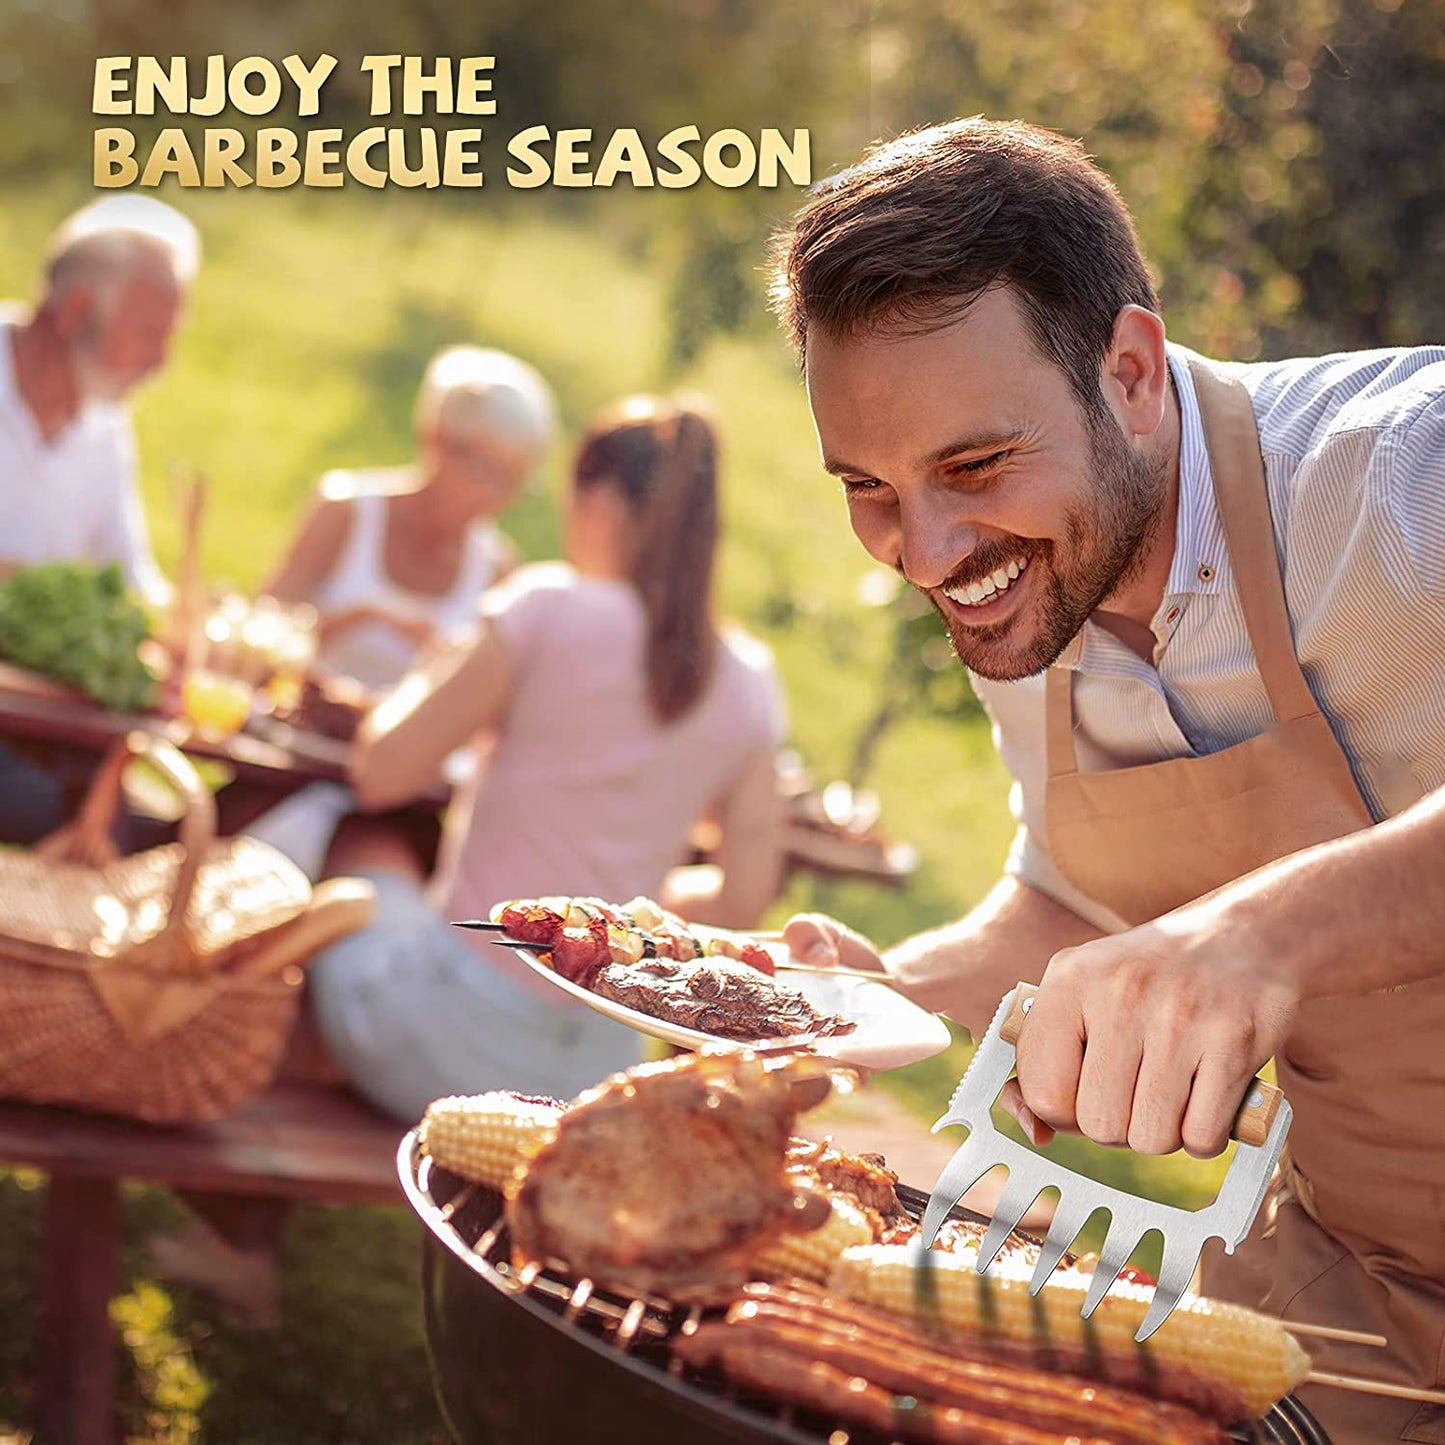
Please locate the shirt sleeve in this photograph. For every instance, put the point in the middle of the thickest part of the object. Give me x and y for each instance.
(521, 606)
(765, 700)
(1411, 460)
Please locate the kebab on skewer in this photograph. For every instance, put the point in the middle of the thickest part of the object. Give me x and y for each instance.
(644, 958)
(584, 934)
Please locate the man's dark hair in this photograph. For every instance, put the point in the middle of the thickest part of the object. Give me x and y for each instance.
(923, 225)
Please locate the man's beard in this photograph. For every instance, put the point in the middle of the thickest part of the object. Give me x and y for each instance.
(99, 383)
(1103, 549)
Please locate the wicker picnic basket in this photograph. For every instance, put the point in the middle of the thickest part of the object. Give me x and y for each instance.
(147, 986)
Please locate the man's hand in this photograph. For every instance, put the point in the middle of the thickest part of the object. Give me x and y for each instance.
(817, 939)
(1149, 1038)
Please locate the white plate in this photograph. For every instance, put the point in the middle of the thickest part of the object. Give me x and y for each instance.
(892, 1030)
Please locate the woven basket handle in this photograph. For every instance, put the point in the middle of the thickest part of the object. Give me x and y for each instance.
(87, 838)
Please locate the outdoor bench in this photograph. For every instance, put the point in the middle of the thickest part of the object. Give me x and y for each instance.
(301, 1141)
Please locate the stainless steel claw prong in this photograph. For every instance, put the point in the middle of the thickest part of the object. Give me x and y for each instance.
(1023, 1187)
(1119, 1244)
(1175, 1272)
(968, 1165)
(1070, 1217)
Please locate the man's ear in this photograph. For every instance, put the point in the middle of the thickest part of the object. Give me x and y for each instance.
(428, 442)
(74, 313)
(1135, 371)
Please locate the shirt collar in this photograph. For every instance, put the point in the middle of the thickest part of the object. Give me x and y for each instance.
(1200, 564)
(1200, 561)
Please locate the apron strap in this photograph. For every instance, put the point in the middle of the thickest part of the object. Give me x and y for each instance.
(1059, 754)
(1231, 437)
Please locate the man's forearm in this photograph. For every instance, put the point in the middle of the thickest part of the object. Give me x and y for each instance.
(1363, 912)
(964, 968)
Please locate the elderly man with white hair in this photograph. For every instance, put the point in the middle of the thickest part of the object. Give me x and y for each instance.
(115, 280)
(396, 558)
(116, 277)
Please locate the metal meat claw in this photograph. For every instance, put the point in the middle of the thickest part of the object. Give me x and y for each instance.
(1184, 1231)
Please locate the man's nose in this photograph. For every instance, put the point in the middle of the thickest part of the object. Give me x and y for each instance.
(934, 539)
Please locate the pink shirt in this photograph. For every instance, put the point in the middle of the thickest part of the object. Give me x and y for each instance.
(585, 792)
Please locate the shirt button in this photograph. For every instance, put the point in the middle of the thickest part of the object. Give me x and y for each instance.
(1205, 573)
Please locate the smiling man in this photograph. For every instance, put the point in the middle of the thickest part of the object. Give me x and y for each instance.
(115, 285)
(115, 280)
(1205, 607)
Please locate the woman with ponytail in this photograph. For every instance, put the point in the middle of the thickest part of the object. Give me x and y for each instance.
(613, 713)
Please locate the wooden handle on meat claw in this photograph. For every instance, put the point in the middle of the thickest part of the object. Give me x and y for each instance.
(1256, 1113)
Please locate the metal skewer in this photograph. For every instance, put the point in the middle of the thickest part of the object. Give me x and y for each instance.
(871, 975)
(785, 965)
(481, 925)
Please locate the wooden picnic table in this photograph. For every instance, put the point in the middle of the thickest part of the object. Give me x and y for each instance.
(266, 764)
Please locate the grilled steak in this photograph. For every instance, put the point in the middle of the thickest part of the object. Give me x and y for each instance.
(715, 996)
(669, 1178)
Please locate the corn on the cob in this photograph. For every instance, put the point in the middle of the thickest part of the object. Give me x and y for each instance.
(486, 1136)
(1248, 1353)
(812, 1256)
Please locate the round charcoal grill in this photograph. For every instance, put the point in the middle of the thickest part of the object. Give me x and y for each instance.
(524, 1358)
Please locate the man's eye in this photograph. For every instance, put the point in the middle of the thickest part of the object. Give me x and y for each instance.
(853, 486)
(978, 465)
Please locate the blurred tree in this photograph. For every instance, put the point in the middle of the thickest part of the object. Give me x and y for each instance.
(1354, 105)
(652, 65)
(1283, 158)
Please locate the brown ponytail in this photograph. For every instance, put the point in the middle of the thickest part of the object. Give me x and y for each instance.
(662, 456)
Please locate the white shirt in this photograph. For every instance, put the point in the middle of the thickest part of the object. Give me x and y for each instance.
(375, 653)
(74, 497)
(1354, 458)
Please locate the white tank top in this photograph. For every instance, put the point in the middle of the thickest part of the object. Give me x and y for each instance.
(372, 652)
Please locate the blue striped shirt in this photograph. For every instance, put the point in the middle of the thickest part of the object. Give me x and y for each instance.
(1354, 457)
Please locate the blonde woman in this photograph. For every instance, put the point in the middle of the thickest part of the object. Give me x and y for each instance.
(396, 558)
(616, 713)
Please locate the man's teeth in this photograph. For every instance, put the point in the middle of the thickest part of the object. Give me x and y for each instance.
(989, 587)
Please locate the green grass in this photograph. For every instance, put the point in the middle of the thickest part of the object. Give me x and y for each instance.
(310, 326)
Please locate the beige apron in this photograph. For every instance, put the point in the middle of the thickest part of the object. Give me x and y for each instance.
(1355, 1234)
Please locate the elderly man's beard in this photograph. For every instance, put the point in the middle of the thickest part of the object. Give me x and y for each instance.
(1103, 548)
(99, 383)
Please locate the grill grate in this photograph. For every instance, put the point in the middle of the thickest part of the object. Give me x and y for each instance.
(642, 1329)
